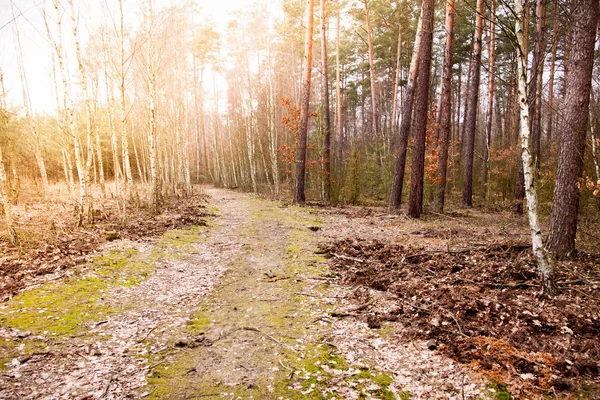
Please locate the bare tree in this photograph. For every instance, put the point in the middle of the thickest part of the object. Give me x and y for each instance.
(398, 183)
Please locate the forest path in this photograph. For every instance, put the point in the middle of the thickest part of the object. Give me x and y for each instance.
(238, 309)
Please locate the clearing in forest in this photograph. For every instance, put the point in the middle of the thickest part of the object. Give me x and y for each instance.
(248, 307)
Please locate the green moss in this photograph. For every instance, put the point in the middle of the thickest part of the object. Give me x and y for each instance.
(199, 322)
(64, 308)
(11, 349)
(405, 395)
(500, 391)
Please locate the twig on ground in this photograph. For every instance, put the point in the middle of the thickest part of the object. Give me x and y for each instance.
(347, 258)
(347, 312)
(147, 334)
(459, 328)
(250, 328)
(106, 387)
(319, 297)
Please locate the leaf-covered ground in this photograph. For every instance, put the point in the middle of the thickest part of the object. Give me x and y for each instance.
(240, 302)
(482, 306)
(51, 244)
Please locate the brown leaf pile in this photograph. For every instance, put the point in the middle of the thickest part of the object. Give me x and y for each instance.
(60, 249)
(483, 307)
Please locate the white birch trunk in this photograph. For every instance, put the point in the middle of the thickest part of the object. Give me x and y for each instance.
(542, 256)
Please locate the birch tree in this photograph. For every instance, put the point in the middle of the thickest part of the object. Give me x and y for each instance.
(542, 256)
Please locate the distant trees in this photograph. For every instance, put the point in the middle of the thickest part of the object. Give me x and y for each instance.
(152, 105)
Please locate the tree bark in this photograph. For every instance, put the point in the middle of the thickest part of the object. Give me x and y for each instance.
(155, 178)
(543, 257)
(550, 113)
(445, 107)
(415, 204)
(398, 183)
(563, 225)
(338, 89)
(535, 84)
(490, 101)
(130, 189)
(397, 76)
(325, 99)
(374, 116)
(299, 195)
(473, 102)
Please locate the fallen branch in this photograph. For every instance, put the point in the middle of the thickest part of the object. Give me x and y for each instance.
(250, 328)
(347, 312)
(342, 257)
(106, 387)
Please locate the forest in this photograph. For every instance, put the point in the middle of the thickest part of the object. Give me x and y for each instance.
(467, 131)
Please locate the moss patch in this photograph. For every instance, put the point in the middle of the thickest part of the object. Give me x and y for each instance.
(64, 308)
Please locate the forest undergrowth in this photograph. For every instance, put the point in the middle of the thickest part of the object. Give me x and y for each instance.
(51, 242)
(473, 293)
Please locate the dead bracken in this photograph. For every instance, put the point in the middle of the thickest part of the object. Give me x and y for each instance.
(483, 307)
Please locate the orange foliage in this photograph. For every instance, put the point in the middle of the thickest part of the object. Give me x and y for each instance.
(432, 144)
(587, 183)
(292, 122)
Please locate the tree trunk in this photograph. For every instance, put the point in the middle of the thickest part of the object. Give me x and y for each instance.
(5, 202)
(130, 190)
(473, 102)
(325, 99)
(374, 116)
(445, 107)
(155, 179)
(490, 101)
(338, 90)
(37, 147)
(299, 195)
(543, 257)
(405, 125)
(81, 205)
(563, 225)
(535, 85)
(397, 75)
(415, 204)
(550, 115)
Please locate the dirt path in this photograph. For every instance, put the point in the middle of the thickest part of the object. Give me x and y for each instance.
(238, 309)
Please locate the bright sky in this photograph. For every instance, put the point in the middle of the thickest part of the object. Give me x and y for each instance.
(36, 50)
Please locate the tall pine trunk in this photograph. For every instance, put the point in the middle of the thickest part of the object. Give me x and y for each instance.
(415, 203)
(473, 106)
(405, 125)
(563, 225)
(299, 195)
(445, 107)
(490, 102)
(325, 99)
